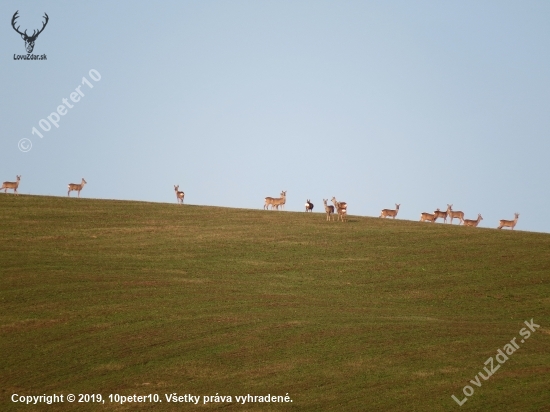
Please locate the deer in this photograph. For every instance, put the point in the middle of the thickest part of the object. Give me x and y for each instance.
(342, 214)
(179, 195)
(441, 214)
(389, 212)
(77, 187)
(329, 209)
(509, 223)
(11, 185)
(458, 215)
(428, 217)
(29, 40)
(269, 201)
(280, 201)
(339, 205)
(473, 223)
(274, 201)
(309, 206)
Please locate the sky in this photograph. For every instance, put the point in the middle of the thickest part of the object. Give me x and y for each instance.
(421, 103)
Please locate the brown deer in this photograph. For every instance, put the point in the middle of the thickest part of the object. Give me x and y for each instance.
(309, 206)
(77, 187)
(329, 209)
(509, 223)
(441, 214)
(389, 212)
(269, 201)
(11, 185)
(474, 223)
(428, 217)
(456, 215)
(179, 195)
(340, 205)
(275, 202)
(280, 201)
(342, 214)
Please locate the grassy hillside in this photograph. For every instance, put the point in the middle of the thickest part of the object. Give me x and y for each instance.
(115, 297)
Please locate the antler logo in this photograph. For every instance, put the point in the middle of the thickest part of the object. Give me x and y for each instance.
(29, 40)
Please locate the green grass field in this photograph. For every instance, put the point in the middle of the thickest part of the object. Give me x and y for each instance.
(118, 297)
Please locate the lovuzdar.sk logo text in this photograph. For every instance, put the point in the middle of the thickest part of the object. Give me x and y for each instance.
(29, 40)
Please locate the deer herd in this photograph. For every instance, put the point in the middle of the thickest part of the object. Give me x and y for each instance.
(338, 208)
(341, 209)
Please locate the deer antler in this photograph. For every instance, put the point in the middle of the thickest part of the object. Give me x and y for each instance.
(34, 34)
(15, 17)
(43, 25)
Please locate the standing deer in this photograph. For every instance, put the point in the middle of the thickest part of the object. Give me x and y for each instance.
(269, 201)
(389, 212)
(280, 201)
(474, 223)
(428, 217)
(11, 185)
(458, 215)
(342, 214)
(340, 205)
(77, 187)
(179, 195)
(275, 202)
(329, 209)
(309, 206)
(509, 223)
(441, 214)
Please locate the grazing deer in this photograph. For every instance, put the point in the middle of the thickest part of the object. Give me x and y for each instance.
(439, 214)
(78, 188)
(179, 195)
(458, 215)
(309, 206)
(11, 185)
(428, 217)
(389, 212)
(329, 209)
(509, 223)
(474, 223)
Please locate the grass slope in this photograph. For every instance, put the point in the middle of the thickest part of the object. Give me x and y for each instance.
(122, 297)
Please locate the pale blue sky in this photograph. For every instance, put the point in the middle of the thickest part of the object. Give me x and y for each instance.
(421, 103)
